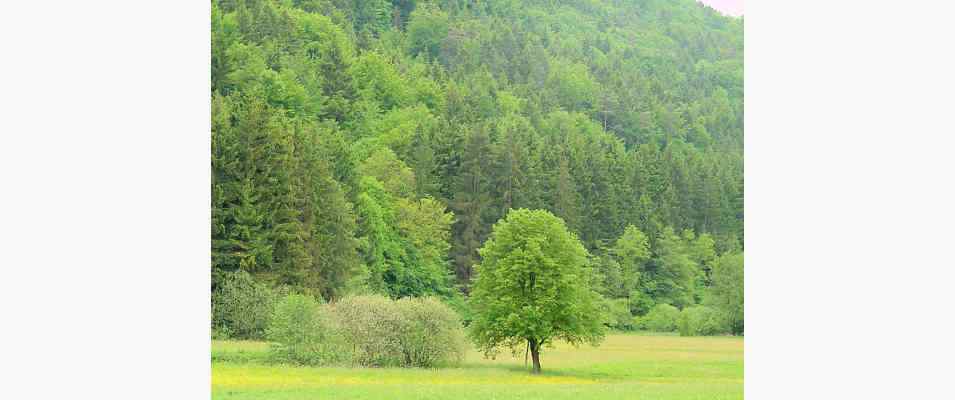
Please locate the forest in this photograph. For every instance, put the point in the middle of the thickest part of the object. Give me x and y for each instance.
(371, 147)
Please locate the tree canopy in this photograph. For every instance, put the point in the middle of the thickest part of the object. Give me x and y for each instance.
(533, 287)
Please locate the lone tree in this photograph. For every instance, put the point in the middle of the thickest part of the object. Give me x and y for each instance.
(533, 286)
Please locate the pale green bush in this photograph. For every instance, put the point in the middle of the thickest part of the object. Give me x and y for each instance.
(617, 314)
(303, 332)
(241, 307)
(430, 333)
(368, 327)
(661, 318)
(701, 321)
(411, 332)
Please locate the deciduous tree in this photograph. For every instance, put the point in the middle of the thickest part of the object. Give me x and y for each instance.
(533, 287)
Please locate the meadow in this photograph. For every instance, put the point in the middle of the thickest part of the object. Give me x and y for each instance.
(625, 366)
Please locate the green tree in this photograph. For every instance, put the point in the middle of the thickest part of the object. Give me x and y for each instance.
(672, 270)
(398, 179)
(470, 204)
(532, 287)
(727, 291)
(632, 250)
(426, 30)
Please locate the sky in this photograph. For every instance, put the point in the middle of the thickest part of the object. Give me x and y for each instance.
(729, 7)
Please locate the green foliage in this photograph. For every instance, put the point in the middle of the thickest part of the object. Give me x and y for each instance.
(404, 242)
(241, 307)
(470, 204)
(701, 321)
(368, 327)
(661, 318)
(631, 250)
(419, 332)
(727, 292)
(571, 85)
(617, 314)
(343, 132)
(302, 332)
(533, 287)
(640, 302)
(673, 275)
(277, 209)
(397, 178)
(426, 30)
(430, 333)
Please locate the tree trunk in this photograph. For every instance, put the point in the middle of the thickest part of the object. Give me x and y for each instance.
(535, 355)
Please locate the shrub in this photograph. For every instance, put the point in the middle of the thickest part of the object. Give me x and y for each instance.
(241, 307)
(700, 321)
(640, 302)
(302, 332)
(617, 314)
(368, 324)
(430, 333)
(222, 333)
(661, 318)
(410, 332)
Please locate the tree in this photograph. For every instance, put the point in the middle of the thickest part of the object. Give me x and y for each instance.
(727, 291)
(426, 31)
(470, 204)
(426, 223)
(533, 286)
(398, 179)
(672, 270)
(632, 250)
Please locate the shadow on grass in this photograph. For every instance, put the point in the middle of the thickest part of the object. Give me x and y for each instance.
(581, 374)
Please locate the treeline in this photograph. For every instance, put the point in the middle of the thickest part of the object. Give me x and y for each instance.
(369, 146)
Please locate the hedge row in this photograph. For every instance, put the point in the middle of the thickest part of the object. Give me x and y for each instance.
(691, 321)
(367, 331)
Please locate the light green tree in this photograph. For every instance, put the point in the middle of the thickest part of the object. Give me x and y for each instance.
(727, 291)
(533, 287)
(632, 250)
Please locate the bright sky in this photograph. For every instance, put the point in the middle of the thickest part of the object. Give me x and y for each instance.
(729, 7)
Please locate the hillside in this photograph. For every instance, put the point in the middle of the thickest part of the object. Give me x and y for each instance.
(369, 146)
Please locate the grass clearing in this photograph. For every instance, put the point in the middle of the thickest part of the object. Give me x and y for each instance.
(626, 366)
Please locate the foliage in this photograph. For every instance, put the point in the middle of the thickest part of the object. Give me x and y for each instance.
(727, 292)
(640, 302)
(661, 318)
(701, 321)
(241, 307)
(673, 273)
(533, 287)
(426, 30)
(404, 242)
(617, 314)
(429, 334)
(421, 332)
(302, 332)
(368, 327)
(369, 146)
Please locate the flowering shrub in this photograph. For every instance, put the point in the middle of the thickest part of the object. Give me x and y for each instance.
(241, 307)
(303, 332)
(411, 332)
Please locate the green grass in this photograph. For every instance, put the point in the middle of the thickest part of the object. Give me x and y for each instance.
(625, 366)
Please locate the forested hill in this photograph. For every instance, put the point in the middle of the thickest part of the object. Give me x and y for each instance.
(371, 145)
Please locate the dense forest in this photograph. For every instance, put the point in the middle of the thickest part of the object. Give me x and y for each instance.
(370, 146)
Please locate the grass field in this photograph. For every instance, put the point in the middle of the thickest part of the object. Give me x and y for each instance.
(625, 366)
